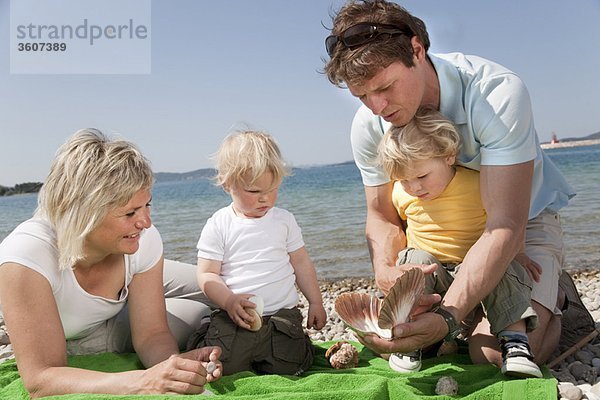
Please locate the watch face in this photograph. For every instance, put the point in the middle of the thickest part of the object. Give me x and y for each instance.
(455, 333)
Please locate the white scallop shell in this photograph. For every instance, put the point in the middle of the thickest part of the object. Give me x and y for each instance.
(256, 313)
(402, 299)
(360, 312)
(260, 304)
(364, 313)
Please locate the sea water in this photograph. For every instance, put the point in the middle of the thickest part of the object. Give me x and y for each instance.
(329, 205)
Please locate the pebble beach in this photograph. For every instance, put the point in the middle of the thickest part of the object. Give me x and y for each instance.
(578, 374)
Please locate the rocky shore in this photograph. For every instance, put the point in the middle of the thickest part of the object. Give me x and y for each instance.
(578, 374)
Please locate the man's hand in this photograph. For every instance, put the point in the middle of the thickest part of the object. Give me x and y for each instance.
(425, 330)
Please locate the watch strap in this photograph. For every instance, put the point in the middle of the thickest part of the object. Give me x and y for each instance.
(453, 326)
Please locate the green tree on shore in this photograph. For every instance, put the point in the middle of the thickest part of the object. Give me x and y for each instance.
(27, 187)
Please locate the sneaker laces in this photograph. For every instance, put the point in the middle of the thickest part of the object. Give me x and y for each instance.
(516, 348)
(413, 355)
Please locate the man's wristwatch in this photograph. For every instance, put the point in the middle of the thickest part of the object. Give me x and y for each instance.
(453, 326)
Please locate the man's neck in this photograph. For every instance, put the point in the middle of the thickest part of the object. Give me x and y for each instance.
(431, 97)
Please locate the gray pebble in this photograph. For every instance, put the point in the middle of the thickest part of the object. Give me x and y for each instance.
(569, 391)
(564, 375)
(581, 371)
(6, 353)
(591, 396)
(4, 339)
(211, 367)
(595, 349)
(584, 356)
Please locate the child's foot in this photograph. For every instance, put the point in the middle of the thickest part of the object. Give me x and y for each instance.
(517, 359)
(404, 363)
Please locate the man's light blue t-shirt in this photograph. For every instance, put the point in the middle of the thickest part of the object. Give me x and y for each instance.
(491, 108)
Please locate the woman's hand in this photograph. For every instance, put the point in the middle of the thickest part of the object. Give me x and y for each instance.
(176, 375)
(183, 373)
(209, 357)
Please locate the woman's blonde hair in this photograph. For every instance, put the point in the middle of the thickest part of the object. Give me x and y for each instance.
(428, 135)
(90, 175)
(244, 156)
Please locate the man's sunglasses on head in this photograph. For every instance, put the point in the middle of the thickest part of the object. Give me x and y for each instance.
(361, 34)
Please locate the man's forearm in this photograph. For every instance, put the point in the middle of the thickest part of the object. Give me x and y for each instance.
(482, 269)
(384, 234)
(384, 240)
(505, 193)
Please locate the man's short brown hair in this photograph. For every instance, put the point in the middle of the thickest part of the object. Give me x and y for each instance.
(355, 66)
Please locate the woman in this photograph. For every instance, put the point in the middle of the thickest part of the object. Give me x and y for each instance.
(88, 268)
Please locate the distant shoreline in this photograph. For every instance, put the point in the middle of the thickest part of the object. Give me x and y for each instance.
(570, 143)
(21, 188)
(206, 173)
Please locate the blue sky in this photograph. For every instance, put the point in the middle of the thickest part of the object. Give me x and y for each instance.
(221, 65)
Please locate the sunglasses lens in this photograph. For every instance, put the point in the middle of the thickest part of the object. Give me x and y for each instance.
(360, 34)
(330, 43)
(357, 35)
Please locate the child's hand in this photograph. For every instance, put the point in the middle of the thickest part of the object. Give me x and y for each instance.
(317, 317)
(533, 269)
(235, 308)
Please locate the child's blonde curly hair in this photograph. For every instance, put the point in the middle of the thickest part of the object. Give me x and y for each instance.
(244, 156)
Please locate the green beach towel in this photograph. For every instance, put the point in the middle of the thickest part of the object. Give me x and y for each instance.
(372, 379)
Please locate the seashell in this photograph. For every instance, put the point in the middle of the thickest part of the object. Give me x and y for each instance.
(360, 312)
(402, 298)
(446, 385)
(364, 313)
(256, 313)
(260, 304)
(342, 355)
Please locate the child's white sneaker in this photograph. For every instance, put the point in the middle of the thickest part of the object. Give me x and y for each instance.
(405, 363)
(517, 359)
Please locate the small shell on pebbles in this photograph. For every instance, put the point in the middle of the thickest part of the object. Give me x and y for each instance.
(342, 355)
(446, 385)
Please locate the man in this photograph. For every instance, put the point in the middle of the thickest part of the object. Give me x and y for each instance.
(379, 51)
